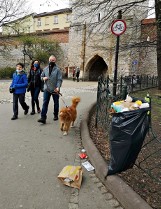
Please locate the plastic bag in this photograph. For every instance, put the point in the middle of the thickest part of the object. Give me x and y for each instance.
(127, 134)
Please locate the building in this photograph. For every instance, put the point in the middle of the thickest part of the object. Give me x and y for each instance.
(56, 20)
(92, 44)
(19, 26)
(33, 23)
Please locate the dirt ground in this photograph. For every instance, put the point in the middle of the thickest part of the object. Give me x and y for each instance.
(145, 176)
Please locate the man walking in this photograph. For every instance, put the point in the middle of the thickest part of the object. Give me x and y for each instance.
(52, 78)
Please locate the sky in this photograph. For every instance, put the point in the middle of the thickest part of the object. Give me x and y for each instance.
(151, 13)
(40, 6)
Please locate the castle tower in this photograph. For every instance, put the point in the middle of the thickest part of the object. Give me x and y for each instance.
(91, 43)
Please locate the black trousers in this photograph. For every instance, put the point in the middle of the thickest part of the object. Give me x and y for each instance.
(21, 98)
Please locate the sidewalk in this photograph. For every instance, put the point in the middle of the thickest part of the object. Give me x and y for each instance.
(32, 156)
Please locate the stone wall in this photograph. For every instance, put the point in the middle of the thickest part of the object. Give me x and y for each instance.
(148, 54)
(14, 52)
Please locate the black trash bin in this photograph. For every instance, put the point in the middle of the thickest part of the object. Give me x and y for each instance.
(127, 134)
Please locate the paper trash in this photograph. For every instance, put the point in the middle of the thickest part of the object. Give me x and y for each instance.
(71, 176)
(88, 166)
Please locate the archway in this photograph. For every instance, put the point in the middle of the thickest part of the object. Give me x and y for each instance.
(96, 67)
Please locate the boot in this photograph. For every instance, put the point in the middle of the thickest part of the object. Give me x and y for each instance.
(26, 111)
(55, 117)
(33, 112)
(42, 120)
(14, 117)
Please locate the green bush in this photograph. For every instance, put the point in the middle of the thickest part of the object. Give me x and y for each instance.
(6, 73)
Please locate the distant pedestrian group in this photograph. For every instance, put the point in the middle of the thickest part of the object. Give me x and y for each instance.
(76, 73)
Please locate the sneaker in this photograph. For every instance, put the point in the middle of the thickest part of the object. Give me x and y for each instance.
(42, 120)
(26, 111)
(55, 117)
(14, 117)
(33, 112)
(38, 110)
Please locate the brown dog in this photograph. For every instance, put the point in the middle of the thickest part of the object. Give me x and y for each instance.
(68, 115)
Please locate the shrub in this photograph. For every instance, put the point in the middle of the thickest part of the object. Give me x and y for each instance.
(6, 72)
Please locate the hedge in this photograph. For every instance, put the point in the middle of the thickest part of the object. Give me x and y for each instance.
(6, 73)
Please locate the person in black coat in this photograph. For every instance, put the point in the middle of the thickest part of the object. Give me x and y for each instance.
(34, 85)
(77, 73)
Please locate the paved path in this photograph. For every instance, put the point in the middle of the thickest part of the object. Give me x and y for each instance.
(32, 155)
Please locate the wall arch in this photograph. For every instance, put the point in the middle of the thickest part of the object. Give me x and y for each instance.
(95, 67)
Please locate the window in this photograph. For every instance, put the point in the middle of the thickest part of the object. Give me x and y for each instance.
(46, 20)
(67, 18)
(55, 19)
(39, 22)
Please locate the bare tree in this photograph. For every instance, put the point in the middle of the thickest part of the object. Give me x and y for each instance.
(158, 21)
(11, 10)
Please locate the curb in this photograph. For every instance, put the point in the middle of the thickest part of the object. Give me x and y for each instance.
(128, 198)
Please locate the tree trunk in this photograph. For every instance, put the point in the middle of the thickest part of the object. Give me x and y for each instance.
(158, 21)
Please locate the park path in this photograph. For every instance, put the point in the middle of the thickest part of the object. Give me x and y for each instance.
(33, 154)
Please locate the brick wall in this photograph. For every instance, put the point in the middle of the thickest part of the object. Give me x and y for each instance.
(62, 36)
(148, 29)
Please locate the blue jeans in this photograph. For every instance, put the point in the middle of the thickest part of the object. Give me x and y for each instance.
(35, 97)
(46, 99)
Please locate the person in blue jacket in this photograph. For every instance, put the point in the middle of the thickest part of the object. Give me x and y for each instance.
(18, 86)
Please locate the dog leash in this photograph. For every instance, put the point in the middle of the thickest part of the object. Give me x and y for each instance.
(60, 97)
(63, 100)
(53, 92)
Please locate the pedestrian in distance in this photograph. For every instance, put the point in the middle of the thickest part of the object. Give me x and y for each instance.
(74, 74)
(34, 85)
(52, 77)
(18, 88)
(77, 73)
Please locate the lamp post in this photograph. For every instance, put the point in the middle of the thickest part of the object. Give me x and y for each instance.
(24, 53)
(83, 49)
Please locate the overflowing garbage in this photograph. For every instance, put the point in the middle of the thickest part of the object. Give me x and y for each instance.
(129, 126)
(128, 104)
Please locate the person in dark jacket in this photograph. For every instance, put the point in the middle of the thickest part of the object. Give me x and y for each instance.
(52, 77)
(19, 85)
(77, 73)
(34, 85)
